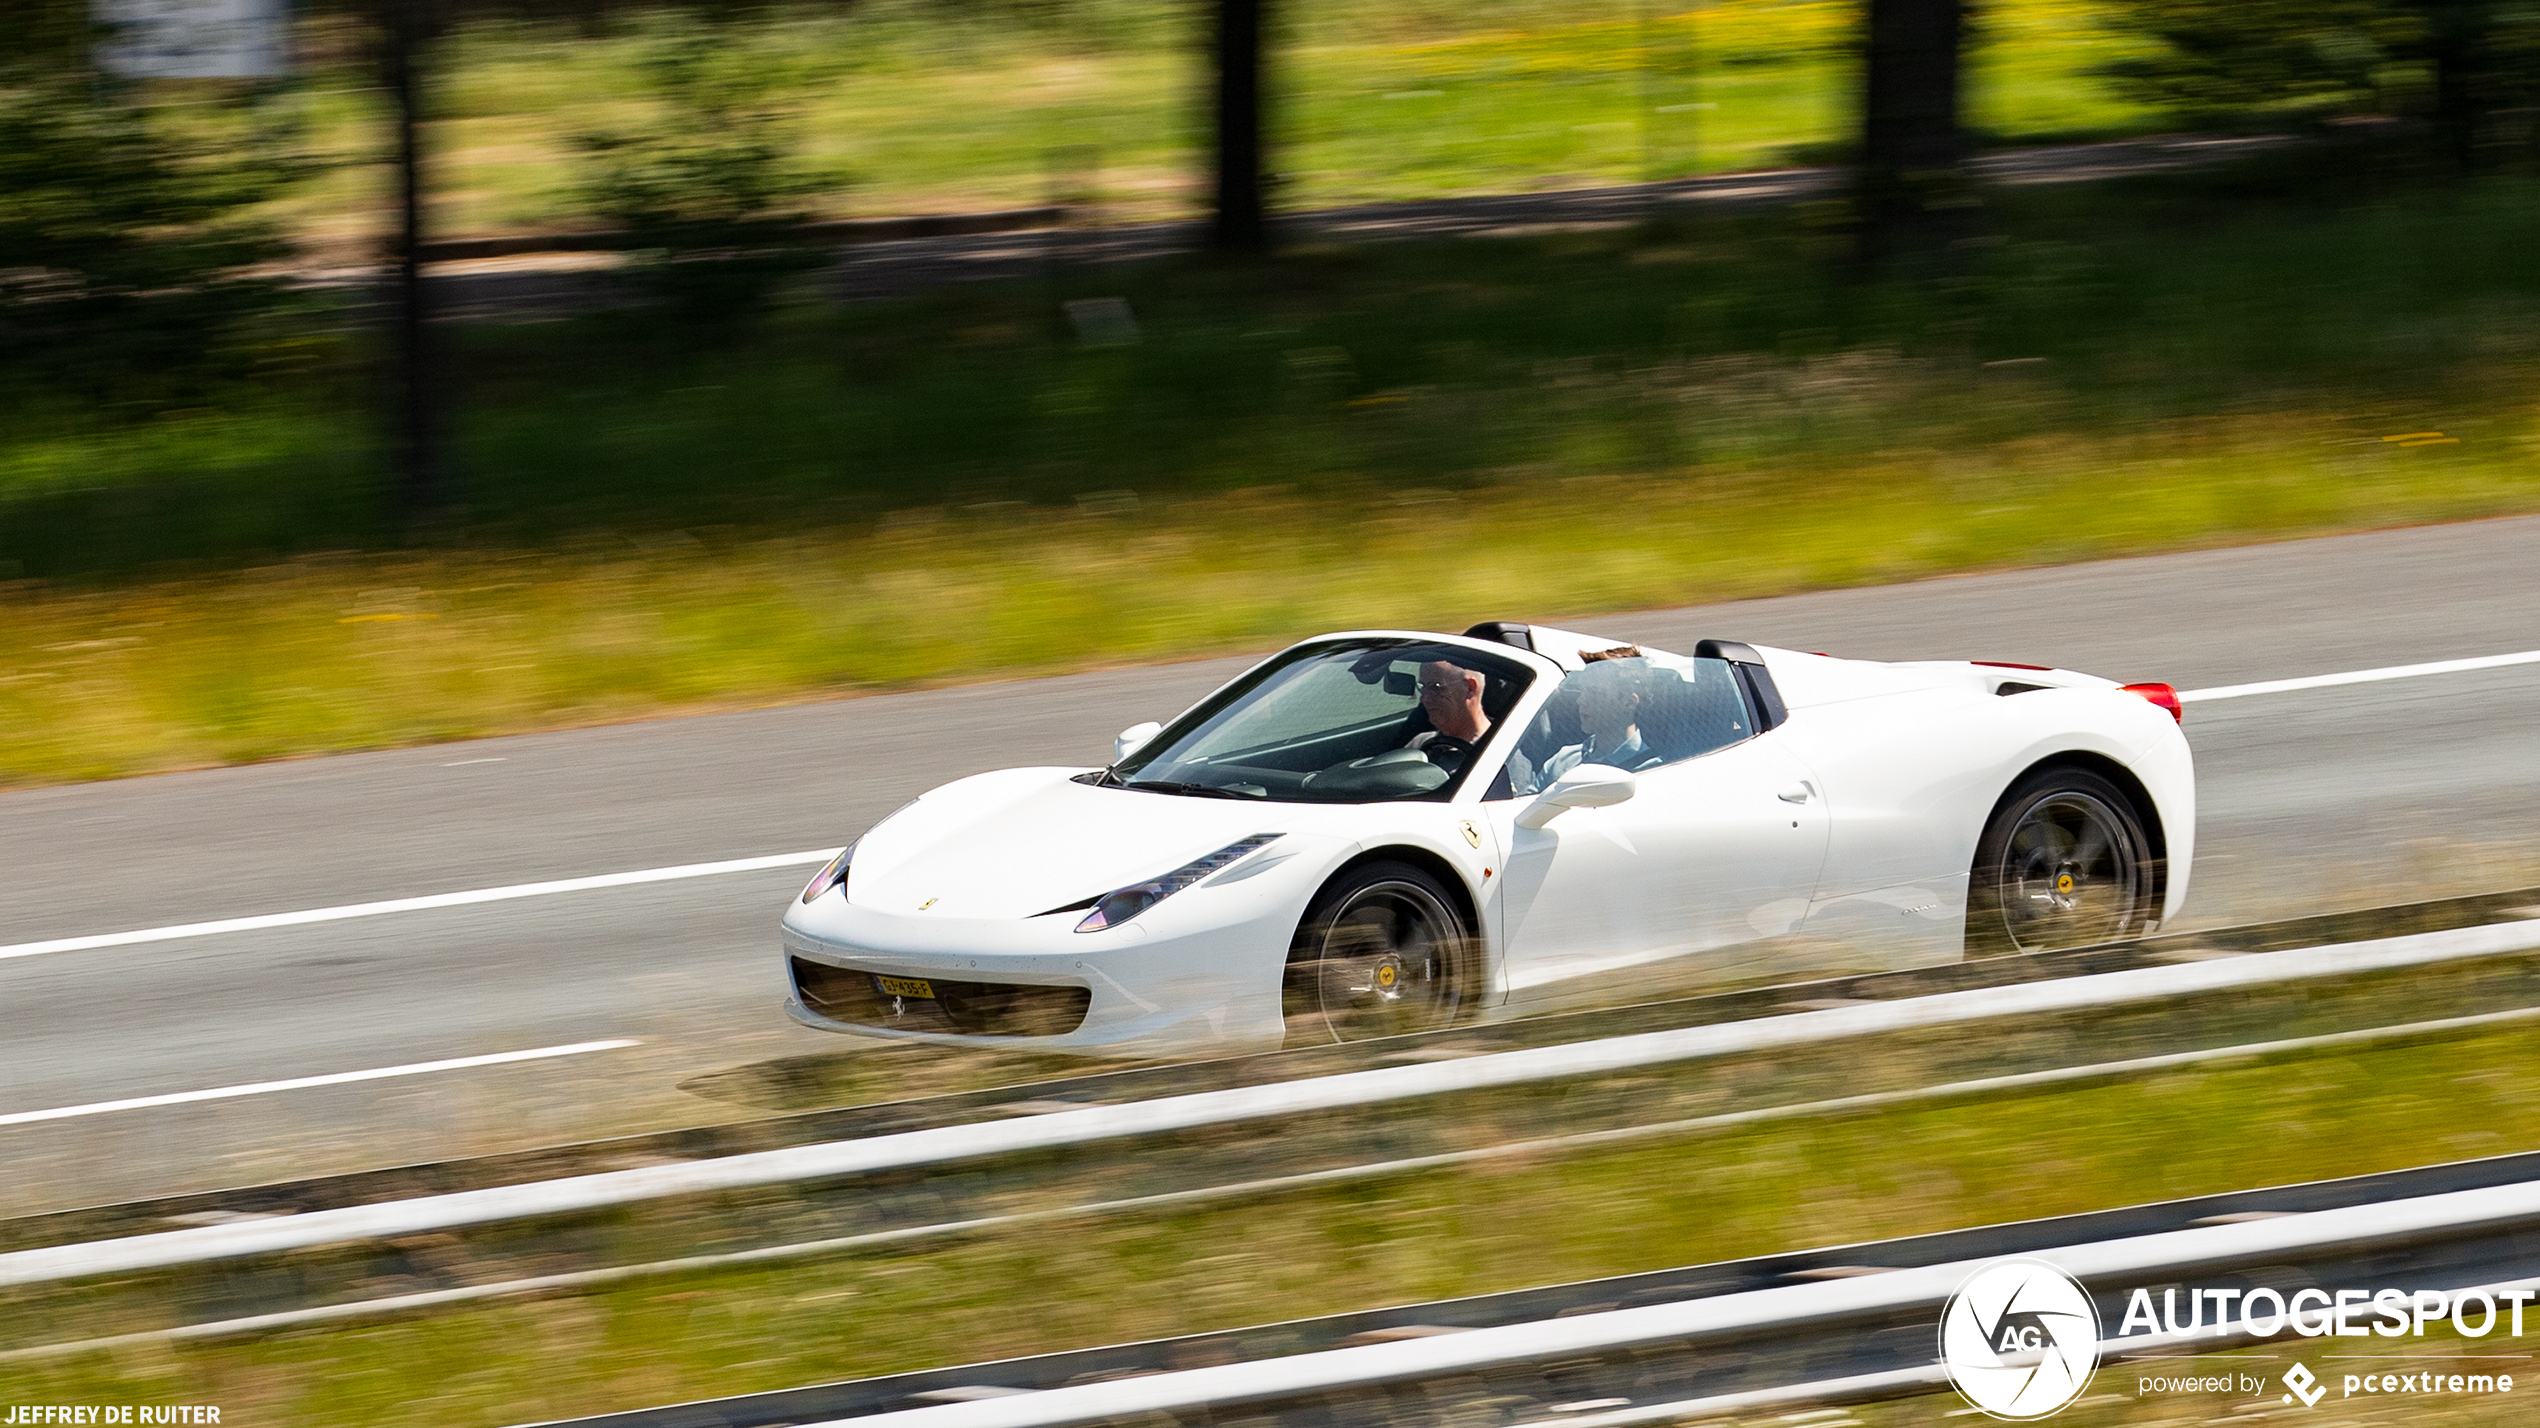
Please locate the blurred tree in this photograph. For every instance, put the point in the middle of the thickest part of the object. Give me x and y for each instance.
(406, 28)
(2485, 59)
(712, 189)
(2458, 61)
(1238, 225)
(2229, 57)
(127, 227)
(1910, 189)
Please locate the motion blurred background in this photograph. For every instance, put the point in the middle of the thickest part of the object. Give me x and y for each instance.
(635, 407)
(379, 372)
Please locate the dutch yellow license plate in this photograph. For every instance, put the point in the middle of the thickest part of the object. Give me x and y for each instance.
(906, 987)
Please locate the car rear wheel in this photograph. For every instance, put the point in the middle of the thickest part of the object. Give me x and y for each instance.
(1382, 952)
(2064, 863)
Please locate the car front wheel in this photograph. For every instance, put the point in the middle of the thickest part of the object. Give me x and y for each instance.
(1381, 952)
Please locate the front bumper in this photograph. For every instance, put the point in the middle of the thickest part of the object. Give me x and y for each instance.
(1198, 974)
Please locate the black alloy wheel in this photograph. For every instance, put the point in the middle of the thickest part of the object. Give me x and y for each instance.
(1382, 952)
(2064, 863)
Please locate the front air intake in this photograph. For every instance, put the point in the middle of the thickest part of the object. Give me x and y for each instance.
(966, 1008)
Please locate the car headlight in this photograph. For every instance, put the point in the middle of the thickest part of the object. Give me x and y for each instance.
(1117, 907)
(832, 876)
(835, 875)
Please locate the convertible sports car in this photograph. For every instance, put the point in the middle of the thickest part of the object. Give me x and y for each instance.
(1386, 831)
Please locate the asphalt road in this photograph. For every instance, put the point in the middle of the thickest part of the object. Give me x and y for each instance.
(2312, 800)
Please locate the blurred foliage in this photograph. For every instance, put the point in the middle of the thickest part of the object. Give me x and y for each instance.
(2486, 55)
(2265, 55)
(1592, 421)
(128, 222)
(2458, 62)
(1707, 370)
(954, 107)
(710, 188)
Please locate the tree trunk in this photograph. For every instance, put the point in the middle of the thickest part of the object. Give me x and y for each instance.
(420, 497)
(1911, 191)
(2456, 32)
(1238, 226)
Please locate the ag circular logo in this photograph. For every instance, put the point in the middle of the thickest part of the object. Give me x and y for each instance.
(2020, 1338)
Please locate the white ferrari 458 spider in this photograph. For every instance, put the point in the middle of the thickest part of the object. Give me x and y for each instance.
(1386, 831)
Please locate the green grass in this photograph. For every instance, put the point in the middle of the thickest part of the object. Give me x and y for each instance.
(1472, 1229)
(927, 110)
(950, 488)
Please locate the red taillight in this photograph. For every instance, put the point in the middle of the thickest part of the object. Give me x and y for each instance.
(2161, 695)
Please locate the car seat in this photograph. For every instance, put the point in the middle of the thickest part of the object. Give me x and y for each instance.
(1682, 718)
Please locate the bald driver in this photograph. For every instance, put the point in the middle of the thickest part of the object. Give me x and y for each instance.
(1451, 696)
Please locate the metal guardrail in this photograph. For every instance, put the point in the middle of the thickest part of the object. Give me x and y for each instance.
(863, 1398)
(1112, 1085)
(1066, 1129)
(485, 1282)
(2475, 1225)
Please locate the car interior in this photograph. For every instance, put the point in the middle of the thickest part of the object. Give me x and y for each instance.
(1684, 714)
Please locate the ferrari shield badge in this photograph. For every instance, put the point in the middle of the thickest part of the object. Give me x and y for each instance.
(1472, 834)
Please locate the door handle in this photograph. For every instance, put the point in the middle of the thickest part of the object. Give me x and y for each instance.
(1797, 793)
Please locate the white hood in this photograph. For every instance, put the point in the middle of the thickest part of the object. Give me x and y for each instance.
(1021, 842)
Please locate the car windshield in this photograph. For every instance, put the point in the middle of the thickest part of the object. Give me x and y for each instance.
(1345, 721)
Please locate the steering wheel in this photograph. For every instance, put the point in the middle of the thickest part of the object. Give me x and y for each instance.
(1447, 751)
(1395, 773)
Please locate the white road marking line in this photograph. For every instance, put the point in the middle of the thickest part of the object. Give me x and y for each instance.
(340, 1078)
(2360, 676)
(417, 904)
(822, 855)
(463, 763)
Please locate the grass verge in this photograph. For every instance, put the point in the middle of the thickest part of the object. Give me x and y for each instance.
(320, 655)
(953, 487)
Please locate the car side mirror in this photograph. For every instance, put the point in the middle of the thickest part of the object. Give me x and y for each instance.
(1585, 786)
(1133, 739)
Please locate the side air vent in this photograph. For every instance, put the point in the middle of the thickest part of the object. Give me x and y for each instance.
(2013, 686)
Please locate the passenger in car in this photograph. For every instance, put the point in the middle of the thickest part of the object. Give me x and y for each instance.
(1610, 695)
(1688, 714)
